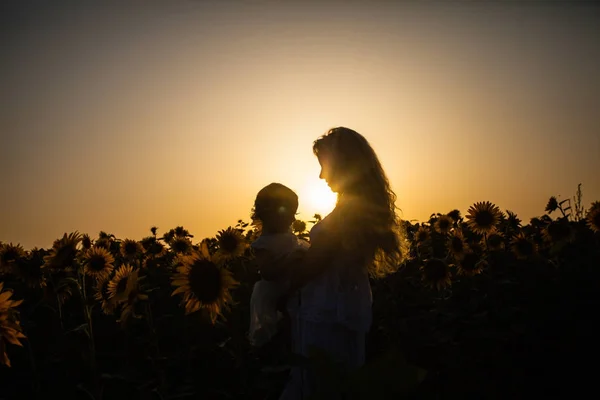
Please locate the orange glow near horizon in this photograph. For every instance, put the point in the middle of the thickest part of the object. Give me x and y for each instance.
(118, 120)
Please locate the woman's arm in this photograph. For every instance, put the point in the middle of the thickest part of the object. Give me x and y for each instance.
(306, 265)
(271, 268)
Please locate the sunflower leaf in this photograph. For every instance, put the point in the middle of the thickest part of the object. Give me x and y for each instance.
(81, 328)
(66, 282)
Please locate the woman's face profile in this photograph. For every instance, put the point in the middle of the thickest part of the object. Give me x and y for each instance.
(327, 173)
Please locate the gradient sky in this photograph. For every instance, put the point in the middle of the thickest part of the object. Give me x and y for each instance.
(118, 118)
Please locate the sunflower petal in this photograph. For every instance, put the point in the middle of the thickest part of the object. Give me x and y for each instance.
(180, 289)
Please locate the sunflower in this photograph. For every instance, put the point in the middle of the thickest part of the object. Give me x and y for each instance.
(422, 234)
(98, 262)
(471, 263)
(483, 216)
(457, 244)
(29, 268)
(298, 227)
(552, 205)
(512, 220)
(6, 304)
(129, 305)
(495, 241)
(10, 327)
(436, 273)
(536, 222)
(103, 243)
(203, 283)
(102, 294)
(443, 224)
(63, 252)
(593, 218)
(558, 231)
(522, 246)
(153, 247)
(168, 236)
(153, 230)
(180, 231)
(231, 244)
(105, 240)
(455, 215)
(181, 245)
(130, 249)
(124, 281)
(86, 241)
(10, 254)
(63, 293)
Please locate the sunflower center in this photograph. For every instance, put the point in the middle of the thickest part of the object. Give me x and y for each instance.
(157, 248)
(9, 255)
(444, 224)
(205, 281)
(130, 248)
(484, 219)
(228, 243)
(122, 285)
(64, 256)
(180, 245)
(97, 263)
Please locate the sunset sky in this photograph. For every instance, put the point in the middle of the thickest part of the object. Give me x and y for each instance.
(118, 118)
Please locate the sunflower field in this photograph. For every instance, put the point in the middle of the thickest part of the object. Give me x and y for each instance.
(485, 306)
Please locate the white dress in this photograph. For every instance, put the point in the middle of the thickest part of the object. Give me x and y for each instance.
(265, 294)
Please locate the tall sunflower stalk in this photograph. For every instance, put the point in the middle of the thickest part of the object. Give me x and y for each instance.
(87, 312)
(74, 263)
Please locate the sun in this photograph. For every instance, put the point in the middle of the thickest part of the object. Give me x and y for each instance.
(317, 198)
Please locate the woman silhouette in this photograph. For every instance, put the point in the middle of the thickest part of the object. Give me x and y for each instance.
(360, 238)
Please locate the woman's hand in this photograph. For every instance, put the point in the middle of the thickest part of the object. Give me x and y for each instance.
(275, 268)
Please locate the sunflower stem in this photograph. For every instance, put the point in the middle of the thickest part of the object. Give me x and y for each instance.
(91, 342)
(561, 210)
(60, 318)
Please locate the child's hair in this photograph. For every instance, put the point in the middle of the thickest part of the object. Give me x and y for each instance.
(275, 207)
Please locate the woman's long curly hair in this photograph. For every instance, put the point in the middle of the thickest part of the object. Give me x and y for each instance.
(365, 214)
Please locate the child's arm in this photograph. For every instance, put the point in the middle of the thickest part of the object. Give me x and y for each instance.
(271, 268)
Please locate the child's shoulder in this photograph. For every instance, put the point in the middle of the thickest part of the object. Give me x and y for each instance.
(302, 244)
(277, 241)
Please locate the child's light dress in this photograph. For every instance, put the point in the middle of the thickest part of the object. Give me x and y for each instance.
(265, 294)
